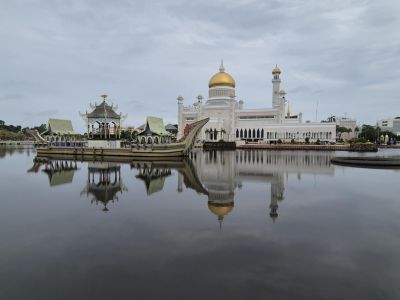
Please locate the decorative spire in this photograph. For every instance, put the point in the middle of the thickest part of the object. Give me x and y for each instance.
(289, 111)
(221, 68)
(104, 96)
(220, 219)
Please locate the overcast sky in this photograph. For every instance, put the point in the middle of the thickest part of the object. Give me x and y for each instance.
(58, 56)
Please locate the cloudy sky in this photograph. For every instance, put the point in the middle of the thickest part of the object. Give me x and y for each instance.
(58, 56)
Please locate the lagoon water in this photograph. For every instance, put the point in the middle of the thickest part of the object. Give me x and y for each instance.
(222, 225)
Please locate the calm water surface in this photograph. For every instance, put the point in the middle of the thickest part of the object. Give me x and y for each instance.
(223, 225)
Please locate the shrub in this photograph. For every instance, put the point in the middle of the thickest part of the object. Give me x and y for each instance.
(279, 141)
(293, 141)
(318, 142)
(307, 140)
(358, 141)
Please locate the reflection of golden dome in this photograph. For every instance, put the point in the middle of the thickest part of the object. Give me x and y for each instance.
(221, 79)
(220, 209)
(276, 70)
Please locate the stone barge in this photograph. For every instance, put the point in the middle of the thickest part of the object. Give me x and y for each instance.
(139, 151)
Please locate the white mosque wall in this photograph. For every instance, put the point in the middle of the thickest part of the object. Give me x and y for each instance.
(230, 122)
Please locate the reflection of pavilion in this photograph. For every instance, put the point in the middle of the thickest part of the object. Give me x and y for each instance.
(104, 183)
(58, 171)
(153, 177)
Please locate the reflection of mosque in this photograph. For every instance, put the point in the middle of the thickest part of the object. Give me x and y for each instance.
(104, 183)
(221, 172)
(216, 174)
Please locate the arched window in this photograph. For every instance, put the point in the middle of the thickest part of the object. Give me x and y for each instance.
(237, 133)
(241, 132)
(258, 133)
(254, 133)
(245, 133)
(156, 140)
(149, 140)
(143, 140)
(262, 133)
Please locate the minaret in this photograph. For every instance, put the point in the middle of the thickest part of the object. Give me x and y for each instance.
(282, 98)
(276, 82)
(180, 117)
(276, 99)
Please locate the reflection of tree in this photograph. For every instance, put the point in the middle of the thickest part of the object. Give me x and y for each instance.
(5, 150)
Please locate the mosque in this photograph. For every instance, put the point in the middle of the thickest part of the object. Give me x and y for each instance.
(231, 121)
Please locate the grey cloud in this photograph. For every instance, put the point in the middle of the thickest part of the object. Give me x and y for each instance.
(64, 54)
(12, 97)
(44, 113)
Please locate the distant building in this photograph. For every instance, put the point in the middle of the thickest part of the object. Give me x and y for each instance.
(347, 123)
(390, 124)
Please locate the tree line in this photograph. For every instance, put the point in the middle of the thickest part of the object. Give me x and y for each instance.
(17, 132)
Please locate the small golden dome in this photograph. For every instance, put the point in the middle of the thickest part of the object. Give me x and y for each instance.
(276, 70)
(222, 79)
(220, 209)
(282, 92)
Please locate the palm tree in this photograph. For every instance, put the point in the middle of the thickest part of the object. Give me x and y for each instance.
(332, 119)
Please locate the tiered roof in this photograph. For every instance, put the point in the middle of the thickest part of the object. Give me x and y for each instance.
(60, 127)
(103, 110)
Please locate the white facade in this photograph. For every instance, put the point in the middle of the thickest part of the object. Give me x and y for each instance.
(390, 124)
(230, 121)
(348, 123)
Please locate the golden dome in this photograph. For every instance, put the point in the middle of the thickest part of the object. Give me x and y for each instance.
(222, 79)
(220, 209)
(276, 70)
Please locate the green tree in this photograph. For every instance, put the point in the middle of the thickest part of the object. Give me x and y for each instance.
(41, 128)
(370, 133)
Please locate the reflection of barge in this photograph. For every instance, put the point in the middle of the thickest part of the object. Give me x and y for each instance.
(368, 162)
(177, 149)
